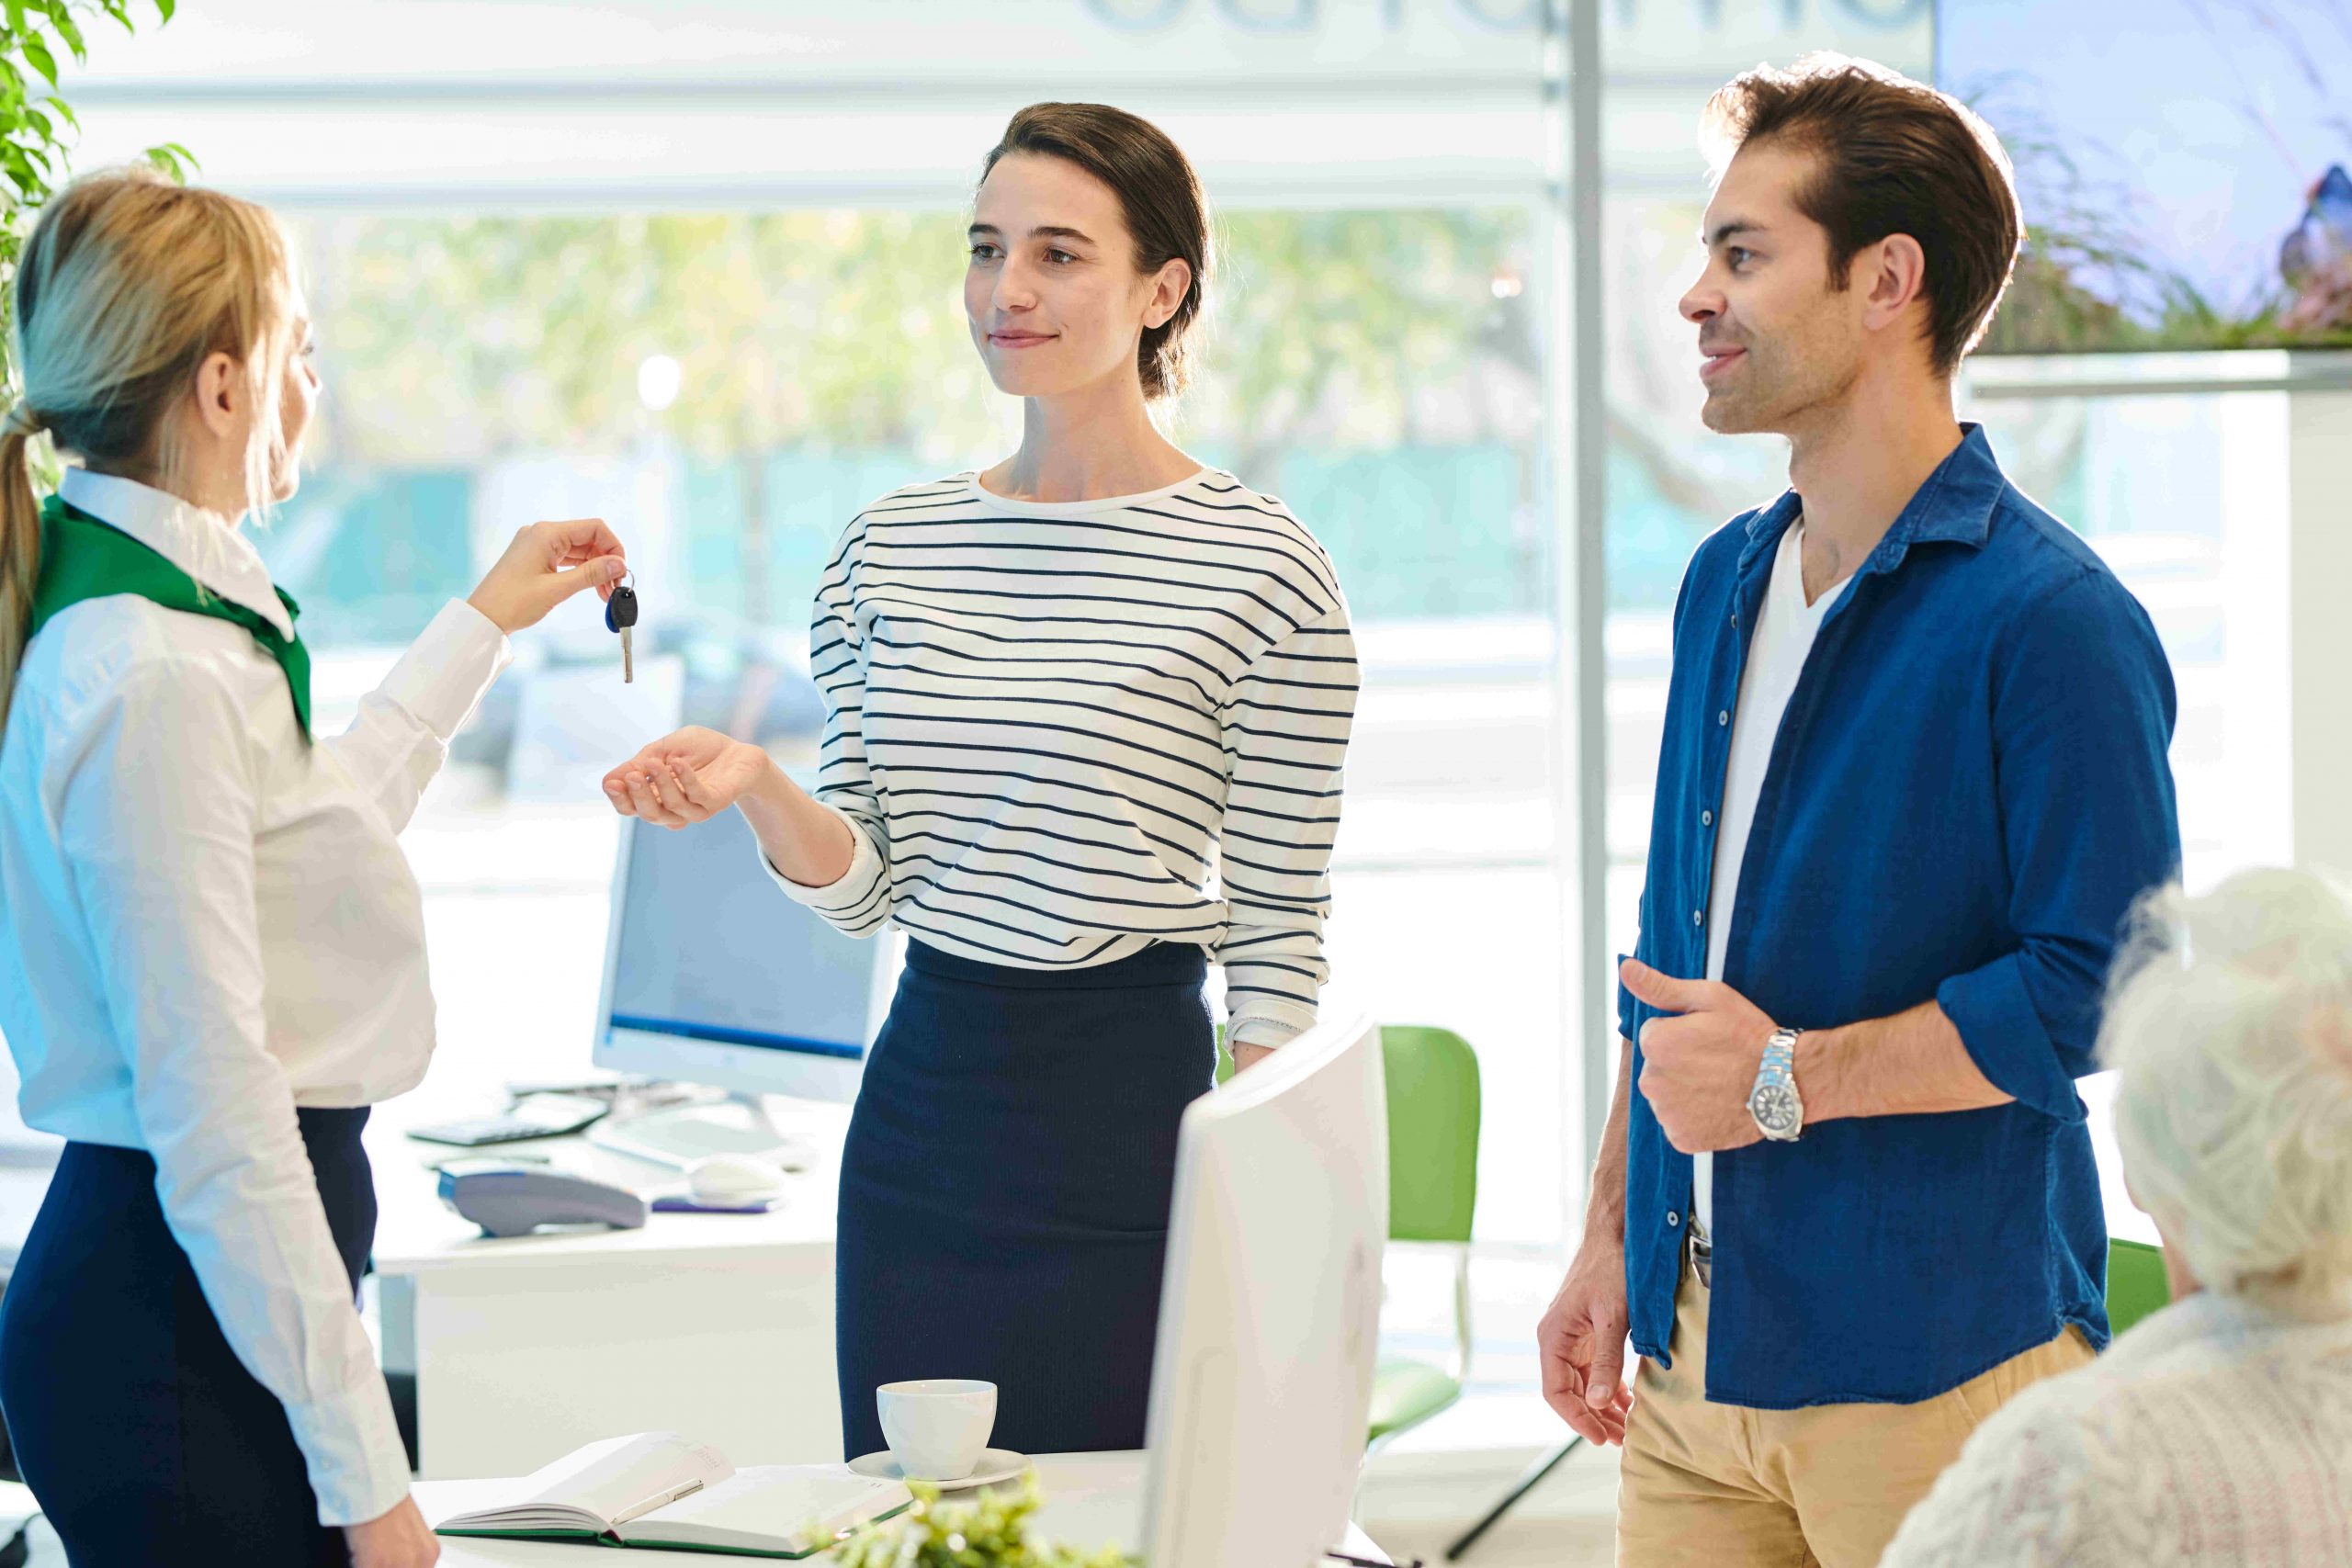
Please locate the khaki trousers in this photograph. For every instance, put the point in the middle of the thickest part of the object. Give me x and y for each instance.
(1725, 1486)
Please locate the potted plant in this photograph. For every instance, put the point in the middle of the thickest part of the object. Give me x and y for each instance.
(989, 1532)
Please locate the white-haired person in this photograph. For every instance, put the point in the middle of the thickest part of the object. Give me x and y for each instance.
(211, 949)
(2218, 1431)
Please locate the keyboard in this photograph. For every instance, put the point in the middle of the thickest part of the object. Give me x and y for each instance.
(679, 1138)
(534, 1116)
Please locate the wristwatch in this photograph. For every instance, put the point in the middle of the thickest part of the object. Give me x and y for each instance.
(1774, 1102)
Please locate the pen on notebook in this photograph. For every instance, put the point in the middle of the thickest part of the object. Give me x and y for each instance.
(662, 1502)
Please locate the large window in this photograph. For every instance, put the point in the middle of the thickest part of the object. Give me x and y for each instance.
(694, 266)
(2182, 489)
(1670, 481)
(731, 387)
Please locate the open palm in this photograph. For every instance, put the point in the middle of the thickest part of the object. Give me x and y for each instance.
(688, 776)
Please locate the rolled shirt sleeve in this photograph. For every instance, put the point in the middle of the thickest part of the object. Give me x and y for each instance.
(852, 899)
(1629, 1016)
(157, 817)
(2083, 716)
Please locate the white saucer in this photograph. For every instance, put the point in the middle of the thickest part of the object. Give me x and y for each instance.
(995, 1464)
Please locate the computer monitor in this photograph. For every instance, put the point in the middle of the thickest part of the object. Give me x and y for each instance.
(713, 975)
(1270, 1316)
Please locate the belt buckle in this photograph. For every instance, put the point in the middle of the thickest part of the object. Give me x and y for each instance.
(1703, 1257)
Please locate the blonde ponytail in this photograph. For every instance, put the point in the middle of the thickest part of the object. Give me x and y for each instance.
(19, 546)
(127, 284)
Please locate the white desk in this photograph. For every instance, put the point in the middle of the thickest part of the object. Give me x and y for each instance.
(1091, 1500)
(721, 1326)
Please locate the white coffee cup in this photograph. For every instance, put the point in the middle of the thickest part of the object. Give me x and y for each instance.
(937, 1427)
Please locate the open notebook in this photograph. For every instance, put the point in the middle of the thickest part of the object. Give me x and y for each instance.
(658, 1490)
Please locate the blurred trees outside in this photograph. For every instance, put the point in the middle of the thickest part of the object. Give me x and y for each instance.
(1379, 369)
(481, 335)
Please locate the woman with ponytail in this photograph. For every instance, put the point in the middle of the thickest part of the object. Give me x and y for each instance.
(211, 949)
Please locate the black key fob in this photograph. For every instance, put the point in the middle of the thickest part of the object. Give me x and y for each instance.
(620, 610)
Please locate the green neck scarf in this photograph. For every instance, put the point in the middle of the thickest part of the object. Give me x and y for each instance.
(81, 558)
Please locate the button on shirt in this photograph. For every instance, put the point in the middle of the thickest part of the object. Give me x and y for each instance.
(1776, 655)
(1965, 795)
(206, 921)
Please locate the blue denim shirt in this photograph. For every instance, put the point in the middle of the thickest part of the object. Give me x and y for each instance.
(1968, 791)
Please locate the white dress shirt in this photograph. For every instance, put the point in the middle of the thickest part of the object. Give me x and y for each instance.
(205, 922)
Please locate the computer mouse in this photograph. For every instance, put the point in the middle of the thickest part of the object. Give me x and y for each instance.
(733, 1178)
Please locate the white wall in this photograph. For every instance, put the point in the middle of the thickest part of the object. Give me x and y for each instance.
(2320, 617)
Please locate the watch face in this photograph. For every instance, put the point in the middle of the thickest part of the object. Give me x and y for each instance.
(1776, 1110)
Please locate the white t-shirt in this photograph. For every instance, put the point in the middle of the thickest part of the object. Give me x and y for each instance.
(1776, 655)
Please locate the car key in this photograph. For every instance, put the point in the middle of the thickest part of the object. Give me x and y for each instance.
(620, 615)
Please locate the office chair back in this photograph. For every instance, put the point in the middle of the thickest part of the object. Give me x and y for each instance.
(1433, 1113)
(2136, 1283)
(1433, 1110)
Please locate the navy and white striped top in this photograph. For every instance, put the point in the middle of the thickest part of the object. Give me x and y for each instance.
(1062, 731)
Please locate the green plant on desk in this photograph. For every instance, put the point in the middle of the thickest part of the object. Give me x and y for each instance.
(992, 1532)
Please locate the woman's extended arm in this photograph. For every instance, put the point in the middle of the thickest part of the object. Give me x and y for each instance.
(401, 735)
(695, 773)
(831, 850)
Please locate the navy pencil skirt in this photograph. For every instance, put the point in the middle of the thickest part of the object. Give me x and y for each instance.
(1005, 1190)
(142, 1434)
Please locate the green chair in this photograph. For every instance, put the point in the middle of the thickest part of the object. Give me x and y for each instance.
(1433, 1108)
(1432, 1187)
(2136, 1285)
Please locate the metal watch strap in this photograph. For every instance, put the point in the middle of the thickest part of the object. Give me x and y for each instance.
(1774, 1102)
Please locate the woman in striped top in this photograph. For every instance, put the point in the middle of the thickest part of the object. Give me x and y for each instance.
(1086, 716)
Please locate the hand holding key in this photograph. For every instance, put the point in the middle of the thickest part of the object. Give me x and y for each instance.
(544, 565)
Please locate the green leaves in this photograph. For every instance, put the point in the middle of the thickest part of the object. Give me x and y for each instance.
(32, 144)
(990, 1532)
(174, 160)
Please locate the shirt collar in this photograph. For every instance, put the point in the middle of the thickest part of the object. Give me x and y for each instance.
(202, 544)
(1955, 506)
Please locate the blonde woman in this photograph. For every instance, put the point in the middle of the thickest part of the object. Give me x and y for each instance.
(2218, 1432)
(211, 953)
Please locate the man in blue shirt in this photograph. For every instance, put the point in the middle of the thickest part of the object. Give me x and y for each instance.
(1912, 777)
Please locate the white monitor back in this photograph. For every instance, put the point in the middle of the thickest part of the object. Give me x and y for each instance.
(1269, 1319)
